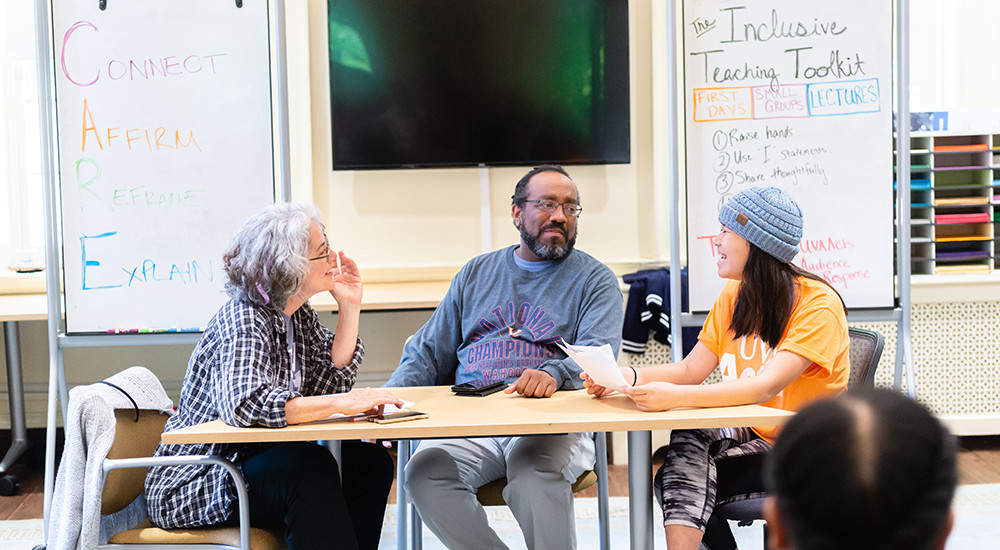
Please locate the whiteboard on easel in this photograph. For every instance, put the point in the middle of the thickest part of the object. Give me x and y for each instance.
(164, 124)
(794, 94)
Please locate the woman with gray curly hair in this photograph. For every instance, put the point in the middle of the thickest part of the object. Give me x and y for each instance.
(265, 359)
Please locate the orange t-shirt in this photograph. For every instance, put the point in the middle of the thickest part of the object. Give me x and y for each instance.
(817, 330)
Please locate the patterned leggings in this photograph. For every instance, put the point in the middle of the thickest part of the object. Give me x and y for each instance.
(687, 483)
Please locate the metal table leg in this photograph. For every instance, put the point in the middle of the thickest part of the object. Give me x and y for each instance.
(640, 491)
(15, 392)
(402, 455)
(416, 542)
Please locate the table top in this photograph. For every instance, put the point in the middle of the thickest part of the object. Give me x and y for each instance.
(23, 307)
(496, 414)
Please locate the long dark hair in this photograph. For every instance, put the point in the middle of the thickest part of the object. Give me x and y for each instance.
(873, 460)
(767, 296)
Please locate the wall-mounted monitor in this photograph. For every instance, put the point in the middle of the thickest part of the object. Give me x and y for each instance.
(436, 83)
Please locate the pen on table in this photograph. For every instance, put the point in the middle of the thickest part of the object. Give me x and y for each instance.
(400, 418)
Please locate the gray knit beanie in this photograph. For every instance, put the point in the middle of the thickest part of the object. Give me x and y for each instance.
(767, 217)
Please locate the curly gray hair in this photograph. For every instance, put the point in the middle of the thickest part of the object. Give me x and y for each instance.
(267, 259)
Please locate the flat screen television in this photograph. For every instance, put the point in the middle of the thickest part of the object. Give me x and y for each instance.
(437, 83)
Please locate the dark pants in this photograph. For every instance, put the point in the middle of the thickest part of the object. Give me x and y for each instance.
(738, 478)
(705, 468)
(297, 485)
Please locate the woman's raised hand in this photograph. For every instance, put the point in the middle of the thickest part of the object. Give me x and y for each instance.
(347, 287)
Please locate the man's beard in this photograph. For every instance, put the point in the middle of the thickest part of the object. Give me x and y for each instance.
(546, 252)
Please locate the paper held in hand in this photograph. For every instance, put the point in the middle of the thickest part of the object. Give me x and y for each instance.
(598, 362)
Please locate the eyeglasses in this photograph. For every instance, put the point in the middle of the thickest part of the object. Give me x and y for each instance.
(324, 256)
(570, 209)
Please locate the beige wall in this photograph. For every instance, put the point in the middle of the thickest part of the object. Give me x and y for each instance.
(404, 224)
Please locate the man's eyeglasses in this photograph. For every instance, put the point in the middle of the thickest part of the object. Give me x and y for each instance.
(571, 210)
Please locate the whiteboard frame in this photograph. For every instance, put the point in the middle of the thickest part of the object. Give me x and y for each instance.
(148, 263)
(900, 313)
(642, 441)
(57, 336)
(812, 151)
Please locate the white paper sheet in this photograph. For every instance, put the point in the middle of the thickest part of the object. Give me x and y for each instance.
(598, 362)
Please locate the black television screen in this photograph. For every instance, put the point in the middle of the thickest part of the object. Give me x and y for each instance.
(431, 83)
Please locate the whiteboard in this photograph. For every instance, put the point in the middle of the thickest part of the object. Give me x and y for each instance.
(163, 118)
(794, 94)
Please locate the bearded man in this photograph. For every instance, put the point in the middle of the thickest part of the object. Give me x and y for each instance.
(499, 321)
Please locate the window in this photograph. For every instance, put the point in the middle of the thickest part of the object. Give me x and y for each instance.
(22, 239)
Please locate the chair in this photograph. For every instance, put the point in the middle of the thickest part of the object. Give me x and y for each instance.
(491, 494)
(137, 434)
(865, 352)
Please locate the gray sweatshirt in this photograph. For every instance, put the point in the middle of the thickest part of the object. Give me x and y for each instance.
(499, 319)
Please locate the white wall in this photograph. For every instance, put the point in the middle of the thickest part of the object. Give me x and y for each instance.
(953, 62)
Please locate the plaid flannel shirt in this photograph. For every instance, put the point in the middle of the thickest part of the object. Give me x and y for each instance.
(240, 373)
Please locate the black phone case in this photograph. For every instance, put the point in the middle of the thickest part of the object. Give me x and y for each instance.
(471, 390)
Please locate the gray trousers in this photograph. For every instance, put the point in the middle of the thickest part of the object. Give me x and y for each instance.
(443, 476)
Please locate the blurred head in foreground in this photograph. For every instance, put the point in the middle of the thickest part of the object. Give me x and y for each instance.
(866, 470)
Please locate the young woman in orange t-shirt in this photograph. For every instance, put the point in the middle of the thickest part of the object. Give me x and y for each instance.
(778, 334)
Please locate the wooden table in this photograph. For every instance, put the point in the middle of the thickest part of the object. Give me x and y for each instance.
(501, 414)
